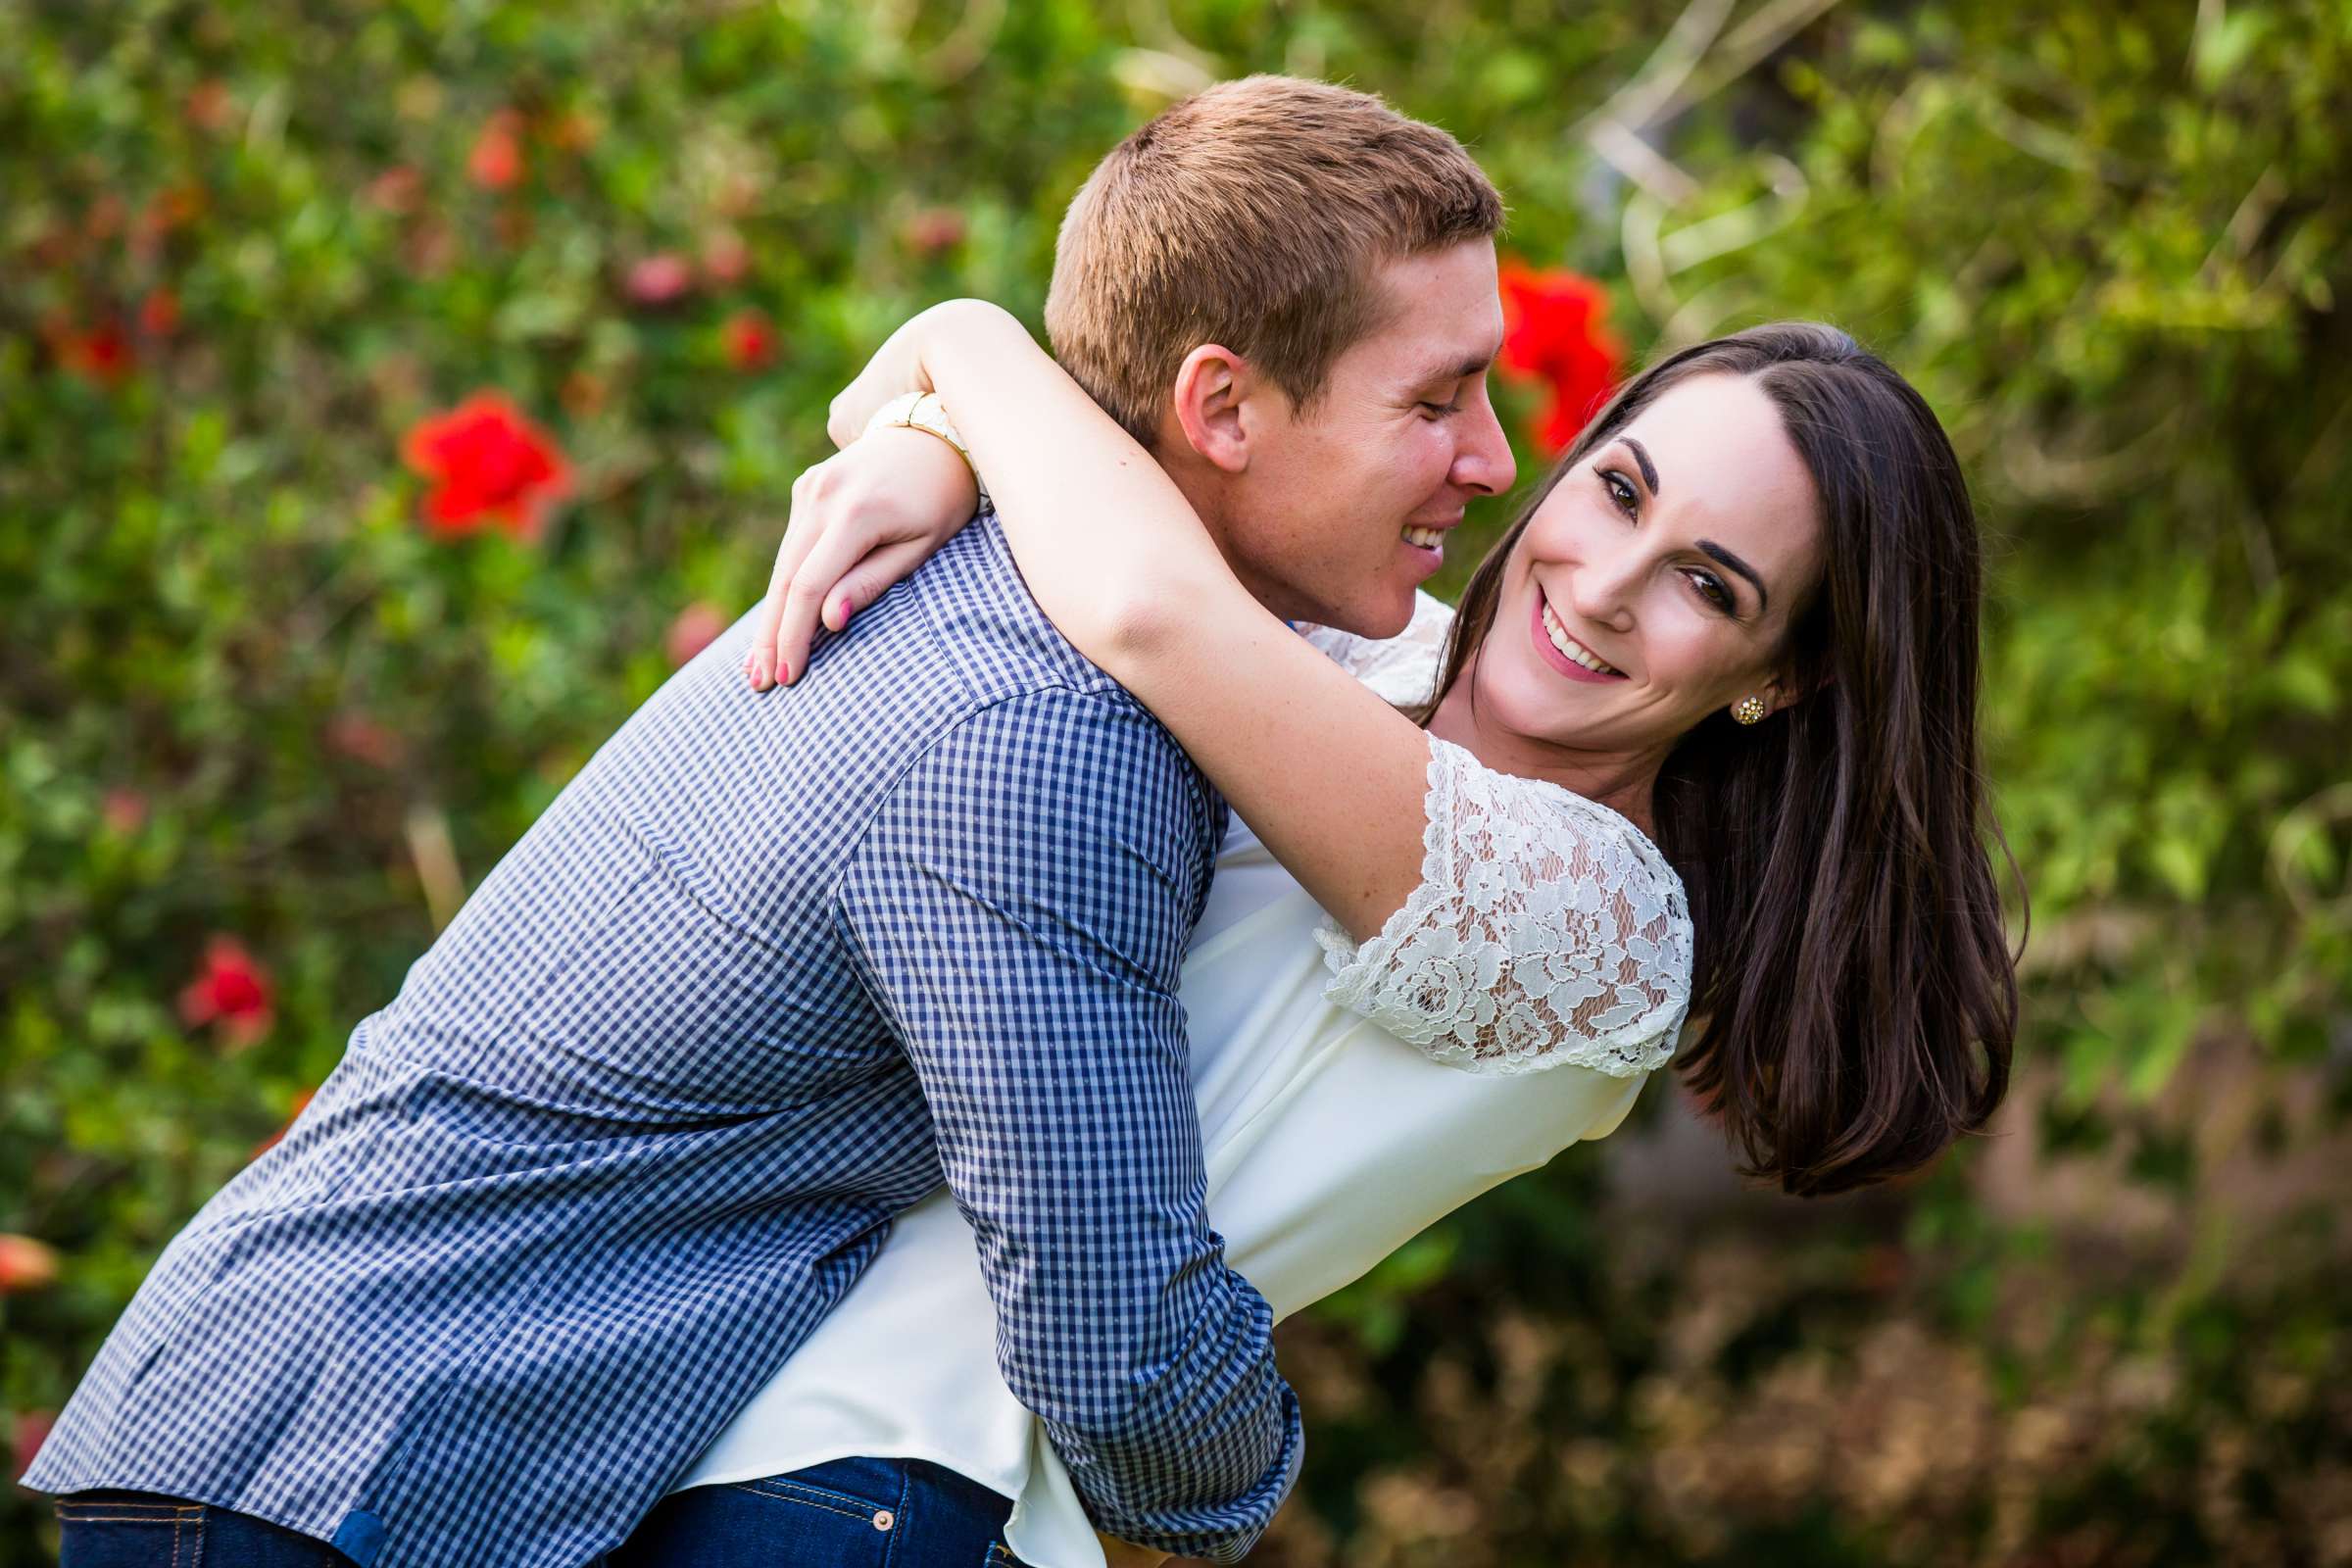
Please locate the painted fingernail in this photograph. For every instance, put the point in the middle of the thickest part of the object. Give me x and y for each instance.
(846, 611)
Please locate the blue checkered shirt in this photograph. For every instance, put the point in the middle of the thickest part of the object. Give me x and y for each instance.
(765, 972)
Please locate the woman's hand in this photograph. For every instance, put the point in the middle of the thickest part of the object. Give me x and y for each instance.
(861, 520)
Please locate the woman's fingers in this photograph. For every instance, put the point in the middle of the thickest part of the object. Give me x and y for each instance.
(827, 594)
(861, 520)
(844, 418)
(839, 546)
(871, 578)
(801, 527)
(759, 659)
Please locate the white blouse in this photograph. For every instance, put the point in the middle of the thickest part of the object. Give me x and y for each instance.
(1349, 1095)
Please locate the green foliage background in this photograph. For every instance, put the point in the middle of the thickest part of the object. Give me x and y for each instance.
(2109, 242)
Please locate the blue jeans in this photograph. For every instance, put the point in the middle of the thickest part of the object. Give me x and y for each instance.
(142, 1530)
(848, 1513)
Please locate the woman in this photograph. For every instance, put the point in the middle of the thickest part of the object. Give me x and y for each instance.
(1738, 619)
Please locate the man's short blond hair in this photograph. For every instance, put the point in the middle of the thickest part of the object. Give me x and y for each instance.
(1252, 215)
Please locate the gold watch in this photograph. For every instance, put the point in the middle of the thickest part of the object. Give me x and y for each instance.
(923, 410)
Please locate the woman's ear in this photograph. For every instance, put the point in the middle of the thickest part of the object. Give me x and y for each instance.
(1788, 687)
(1210, 386)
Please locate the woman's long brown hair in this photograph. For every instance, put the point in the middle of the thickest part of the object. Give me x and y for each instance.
(1852, 975)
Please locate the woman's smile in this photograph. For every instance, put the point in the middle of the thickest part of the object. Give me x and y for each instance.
(1564, 652)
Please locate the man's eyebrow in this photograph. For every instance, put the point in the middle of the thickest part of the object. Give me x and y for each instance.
(1763, 599)
(1444, 371)
(1649, 469)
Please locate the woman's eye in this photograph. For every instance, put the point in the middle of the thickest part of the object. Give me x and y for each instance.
(1620, 490)
(1711, 589)
(1437, 411)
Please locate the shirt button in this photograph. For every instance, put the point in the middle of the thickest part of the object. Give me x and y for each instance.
(883, 1519)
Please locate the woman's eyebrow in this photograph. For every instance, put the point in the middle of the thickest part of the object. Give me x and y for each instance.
(1649, 477)
(1649, 469)
(1763, 599)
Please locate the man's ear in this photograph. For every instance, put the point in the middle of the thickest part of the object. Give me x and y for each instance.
(1211, 386)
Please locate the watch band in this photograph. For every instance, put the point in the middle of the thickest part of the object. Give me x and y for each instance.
(923, 411)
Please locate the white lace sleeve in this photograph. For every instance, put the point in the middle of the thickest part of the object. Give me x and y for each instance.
(1402, 671)
(1547, 930)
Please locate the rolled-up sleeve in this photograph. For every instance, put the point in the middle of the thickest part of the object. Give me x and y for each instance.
(1020, 906)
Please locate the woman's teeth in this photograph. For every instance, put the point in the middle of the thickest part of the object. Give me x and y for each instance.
(1577, 653)
(1426, 538)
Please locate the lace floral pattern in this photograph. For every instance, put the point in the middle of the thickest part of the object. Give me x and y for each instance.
(1546, 929)
(1403, 669)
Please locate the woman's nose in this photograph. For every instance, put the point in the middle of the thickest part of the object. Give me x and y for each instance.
(1601, 588)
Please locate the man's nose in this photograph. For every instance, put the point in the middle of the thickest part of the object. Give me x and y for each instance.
(1484, 462)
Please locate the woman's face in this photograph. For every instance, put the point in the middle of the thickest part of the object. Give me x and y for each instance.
(1657, 581)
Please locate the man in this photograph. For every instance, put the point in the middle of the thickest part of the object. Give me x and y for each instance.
(643, 1111)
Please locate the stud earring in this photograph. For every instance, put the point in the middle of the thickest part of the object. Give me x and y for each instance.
(1747, 709)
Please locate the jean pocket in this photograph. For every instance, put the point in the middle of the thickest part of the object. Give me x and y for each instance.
(127, 1530)
(761, 1522)
(784, 1488)
(779, 1519)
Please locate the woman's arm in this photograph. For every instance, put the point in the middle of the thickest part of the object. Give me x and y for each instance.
(1331, 777)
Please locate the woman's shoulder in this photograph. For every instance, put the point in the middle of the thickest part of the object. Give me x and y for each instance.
(1498, 815)
(1546, 929)
(1402, 671)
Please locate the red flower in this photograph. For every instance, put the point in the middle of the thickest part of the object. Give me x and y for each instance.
(496, 162)
(398, 189)
(751, 339)
(106, 217)
(231, 990)
(360, 738)
(124, 811)
(56, 248)
(31, 1429)
(430, 248)
(487, 463)
(1552, 332)
(26, 1265)
(167, 211)
(934, 230)
(697, 625)
(159, 313)
(102, 355)
(208, 105)
(660, 278)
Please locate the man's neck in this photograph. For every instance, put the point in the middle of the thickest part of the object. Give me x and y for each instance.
(1205, 490)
